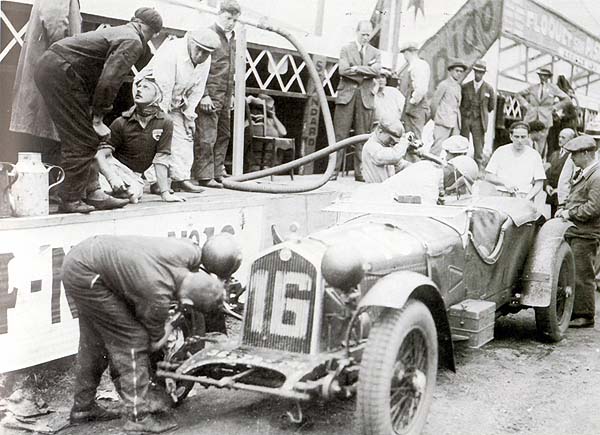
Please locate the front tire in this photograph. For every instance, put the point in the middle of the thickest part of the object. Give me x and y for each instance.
(552, 321)
(398, 372)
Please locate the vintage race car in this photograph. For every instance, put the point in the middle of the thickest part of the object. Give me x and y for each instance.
(373, 304)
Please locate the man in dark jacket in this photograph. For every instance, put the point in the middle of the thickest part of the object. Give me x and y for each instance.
(478, 99)
(355, 102)
(79, 77)
(554, 167)
(123, 287)
(582, 207)
(213, 128)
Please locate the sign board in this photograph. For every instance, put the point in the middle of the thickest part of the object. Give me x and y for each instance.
(37, 321)
(549, 31)
(467, 36)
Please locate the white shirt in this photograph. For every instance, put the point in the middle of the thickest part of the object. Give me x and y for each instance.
(388, 101)
(181, 82)
(519, 170)
(378, 161)
(420, 73)
(477, 85)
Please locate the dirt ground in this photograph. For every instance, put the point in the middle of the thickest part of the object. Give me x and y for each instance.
(512, 385)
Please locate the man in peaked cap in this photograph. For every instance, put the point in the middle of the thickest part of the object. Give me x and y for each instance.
(445, 105)
(414, 85)
(582, 207)
(539, 102)
(180, 67)
(79, 77)
(455, 146)
(383, 150)
(478, 99)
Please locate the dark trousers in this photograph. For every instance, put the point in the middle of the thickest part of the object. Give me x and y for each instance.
(414, 118)
(347, 116)
(211, 140)
(109, 336)
(69, 100)
(584, 251)
(474, 126)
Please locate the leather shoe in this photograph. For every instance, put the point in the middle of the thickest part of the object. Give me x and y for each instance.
(581, 322)
(107, 203)
(186, 186)
(75, 207)
(94, 413)
(210, 183)
(148, 424)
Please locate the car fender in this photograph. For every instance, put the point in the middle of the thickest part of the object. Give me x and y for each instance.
(395, 289)
(537, 275)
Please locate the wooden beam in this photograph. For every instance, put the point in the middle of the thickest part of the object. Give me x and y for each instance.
(239, 102)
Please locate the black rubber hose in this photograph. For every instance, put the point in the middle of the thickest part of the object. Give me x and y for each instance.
(235, 183)
(241, 181)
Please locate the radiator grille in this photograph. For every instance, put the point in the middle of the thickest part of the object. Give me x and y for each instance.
(281, 303)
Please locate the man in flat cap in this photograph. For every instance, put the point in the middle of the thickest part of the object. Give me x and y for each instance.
(383, 150)
(582, 207)
(455, 146)
(445, 106)
(355, 102)
(478, 99)
(180, 67)
(414, 85)
(79, 78)
(539, 101)
(213, 126)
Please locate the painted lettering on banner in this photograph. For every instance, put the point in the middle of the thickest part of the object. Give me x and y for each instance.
(38, 321)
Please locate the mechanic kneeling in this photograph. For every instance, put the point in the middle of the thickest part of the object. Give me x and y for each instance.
(123, 287)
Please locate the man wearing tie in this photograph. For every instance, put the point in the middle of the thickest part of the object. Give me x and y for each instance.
(478, 99)
(354, 105)
(539, 102)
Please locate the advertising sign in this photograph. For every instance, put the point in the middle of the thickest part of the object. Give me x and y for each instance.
(543, 28)
(38, 323)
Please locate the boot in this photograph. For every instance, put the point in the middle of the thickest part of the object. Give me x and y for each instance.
(103, 201)
(75, 207)
(93, 413)
(148, 424)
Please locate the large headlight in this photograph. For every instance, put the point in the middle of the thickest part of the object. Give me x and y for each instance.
(221, 255)
(342, 267)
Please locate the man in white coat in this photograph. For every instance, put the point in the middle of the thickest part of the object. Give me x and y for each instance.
(180, 67)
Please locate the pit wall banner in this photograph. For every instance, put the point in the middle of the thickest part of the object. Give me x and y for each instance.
(542, 28)
(37, 321)
(467, 36)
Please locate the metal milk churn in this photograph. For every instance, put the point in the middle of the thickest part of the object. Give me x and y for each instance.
(8, 175)
(30, 191)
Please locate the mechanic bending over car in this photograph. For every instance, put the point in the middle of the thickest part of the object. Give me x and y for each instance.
(517, 168)
(123, 287)
(582, 207)
(383, 150)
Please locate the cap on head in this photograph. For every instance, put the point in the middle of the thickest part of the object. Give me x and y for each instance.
(205, 38)
(456, 144)
(466, 166)
(581, 143)
(204, 290)
(544, 72)
(392, 126)
(518, 124)
(150, 17)
(151, 80)
(480, 66)
(408, 46)
(456, 63)
(593, 129)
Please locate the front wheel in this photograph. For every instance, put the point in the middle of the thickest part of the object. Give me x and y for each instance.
(398, 372)
(552, 321)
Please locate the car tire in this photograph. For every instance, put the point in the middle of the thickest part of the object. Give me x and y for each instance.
(552, 321)
(400, 355)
